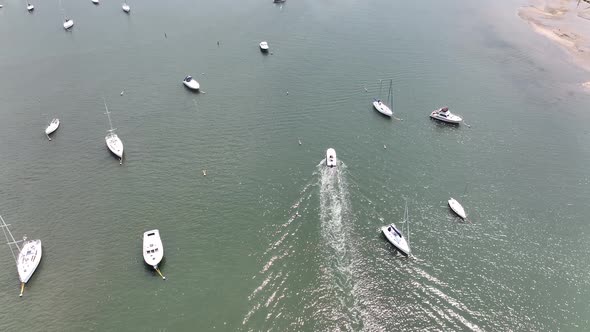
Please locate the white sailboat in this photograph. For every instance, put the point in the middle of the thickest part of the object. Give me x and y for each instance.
(395, 236)
(331, 160)
(382, 107)
(30, 7)
(68, 23)
(52, 127)
(125, 7)
(29, 255)
(191, 83)
(113, 141)
(457, 208)
(153, 250)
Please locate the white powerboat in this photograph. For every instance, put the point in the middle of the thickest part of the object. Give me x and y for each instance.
(30, 7)
(95, 2)
(382, 108)
(29, 255)
(113, 141)
(396, 238)
(153, 250)
(457, 208)
(68, 23)
(126, 7)
(331, 160)
(443, 114)
(191, 83)
(53, 125)
(263, 46)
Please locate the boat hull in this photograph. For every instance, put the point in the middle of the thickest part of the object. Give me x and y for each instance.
(193, 85)
(68, 24)
(396, 238)
(153, 250)
(457, 208)
(29, 259)
(331, 160)
(52, 127)
(114, 144)
(450, 118)
(382, 108)
(263, 47)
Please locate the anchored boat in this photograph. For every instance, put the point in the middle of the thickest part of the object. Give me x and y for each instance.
(381, 106)
(113, 141)
(52, 127)
(191, 83)
(126, 7)
(443, 114)
(29, 255)
(68, 23)
(331, 160)
(263, 46)
(457, 208)
(153, 250)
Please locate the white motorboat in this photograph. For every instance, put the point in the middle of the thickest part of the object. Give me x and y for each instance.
(457, 208)
(95, 2)
(126, 7)
(263, 46)
(29, 255)
(153, 250)
(53, 125)
(382, 108)
(331, 160)
(396, 238)
(30, 7)
(113, 141)
(443, 114)
(191, 83)
(68, 23)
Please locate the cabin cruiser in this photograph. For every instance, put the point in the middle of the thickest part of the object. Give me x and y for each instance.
(263, 46)
(331, 160)
(153, 250)
(396, 238)
(126, 7)
(191, 83)
(443, 114)
(382, 108)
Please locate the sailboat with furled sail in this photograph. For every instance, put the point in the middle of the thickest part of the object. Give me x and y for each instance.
(29, 255)
(113, 141)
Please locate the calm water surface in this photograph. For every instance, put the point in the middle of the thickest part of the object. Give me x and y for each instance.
(270, 239)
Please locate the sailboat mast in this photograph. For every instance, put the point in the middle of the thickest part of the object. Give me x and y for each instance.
(108, 113)
(5, 229)
(390, 94)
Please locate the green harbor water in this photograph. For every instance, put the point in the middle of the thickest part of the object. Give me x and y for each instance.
(270, 239)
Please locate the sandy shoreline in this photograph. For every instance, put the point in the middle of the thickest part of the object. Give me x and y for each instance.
(565, 23)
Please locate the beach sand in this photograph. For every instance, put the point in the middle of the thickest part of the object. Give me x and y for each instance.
(565, 23)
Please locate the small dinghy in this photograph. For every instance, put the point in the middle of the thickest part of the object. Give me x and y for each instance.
(95, 2)
(443, 114)
(457, 208)
(53, 125)
(153, 250)
(382, 108)
(395, 236)
(126, 7)
(30, 7)
(263, 46)
(68, 23)
(191, 83)
(113, 141)
(29, 255)
(331, 160)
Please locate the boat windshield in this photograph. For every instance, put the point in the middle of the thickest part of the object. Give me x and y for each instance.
(188, 78)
